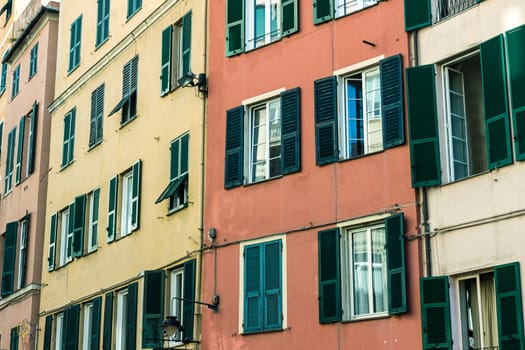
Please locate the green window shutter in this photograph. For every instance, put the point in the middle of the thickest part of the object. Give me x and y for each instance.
(31, 149)
(186, 43)
(509, 306)
(65, 329)
(291, 131)
(326, 138)
(272, 292)
(48, 328)
(417, 14)
(435, 313)
(131, 317)
(135, 195)
(52, 243)
(423, 126)
(392, 113)
(75, 37)
(175, 159)
(79, 225)
(329, 276)
(95, 223)
(153, 308)
(184, 153)
(323, 10)
(9, 160)
(165, 64)
(14, 339)
(112, 209)
(95, 324)
(494, 83)
(97, 115)
(290, 17)
(102, 21)
(234, 27)
(253, 288)
(397, 296)
(65, 140)
(20, 150)
(73, 327)
(516, 57)
(108, 321)
(233, 169)
(8, 272)
(188, 307)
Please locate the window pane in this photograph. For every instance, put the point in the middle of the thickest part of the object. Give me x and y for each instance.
(360, 272)
(354, 112)
(379, 270)
(259, 142)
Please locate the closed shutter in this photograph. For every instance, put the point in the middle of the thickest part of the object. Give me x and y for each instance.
(135, 196)
(234, 27)
(435, 313)
(20, 150)
(97, 114)
(323, 10)
(272, 315)
(291, 131)
(131, 317)
(397, 297)
(391, 71)
(48, 328)
(253, 305)
(95, 324)
(509, 306)
(165, 64)
(233, 169)
(8, 273)
(78, 220)
(65, 140)
(108, 321)
(32, 140)
(112, 208)
(495, 102)
(102, 21)
(188, 307)
(153, 308)
(73, 327)
(516, 66)
(290, 17)
(52, 243)
(326, 138)
(329, 276)
(423, 126)
(186, 43)
(417, 14)
(65, 329)
(14, 339)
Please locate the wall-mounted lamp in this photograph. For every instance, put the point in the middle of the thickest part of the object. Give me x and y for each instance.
(190, 79)
(171, 327)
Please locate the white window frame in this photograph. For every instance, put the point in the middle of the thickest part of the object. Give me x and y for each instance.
(66, 237)
(122, 306)
(346, 7)
(22, 251)
(176, 290)
(174, 202)
(250, 23)
(126, 206)
(87, 323)
(59, 330)
(92, 224)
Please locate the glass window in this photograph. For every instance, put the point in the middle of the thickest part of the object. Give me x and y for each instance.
(66, 237)
(22, 253)
(86, 333)
(122, 306)
(33, 61)
(59, 331)
(263, 22)
(74, 43)
(127, 194)
(176, 291)
(16, 82)
(93, 202)
(345, 7)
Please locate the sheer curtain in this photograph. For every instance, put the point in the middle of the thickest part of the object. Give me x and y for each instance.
(488, 308)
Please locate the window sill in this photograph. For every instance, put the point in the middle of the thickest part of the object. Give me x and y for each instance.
(73, 69)
(484, 172)
(31, 76)
(8, 192)
(93, 146)
(65, 166)
(356, 11)
(263, 331)
(99, 45)
(263, 181)
(122, 125)
(370, 317)
(179, 208)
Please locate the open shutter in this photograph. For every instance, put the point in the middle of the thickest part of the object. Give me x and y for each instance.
(253, 306)
(135, 196)
(234, 27)
(20, 150)
(272, 315)
(494, 81)
(233, 169)
(112, 209)
(290, 17)
(65, 329)
(509, 306)
(392, 101)
(153, 308)
(8, 272)
(32, 139)
(95, 324)
(52, 243)
(93, 119)
(131, 317)
(329, 276)
(516, 65)
(323, 10)
(78, 225)
(397, 296)
(188, 307)
(108, 321)
(290, 131)
(435, 313)
(326, 139)
(73, 327)
(14, 339)
(417, 14)
(165, 64)
(65, 140)
(423, 126)
(47, 332)
(186, 43)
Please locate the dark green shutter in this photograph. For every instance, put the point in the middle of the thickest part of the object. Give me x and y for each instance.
(188, 307)
(165, 64)
(329, 276)
(494, 81)
(112, 209)
(65, 140)
(417, 14)
(8, 272)
(289, 17)
(153, 308)
(102, 21)
(233, 169)
(516, 63)
(47, 332)
(95, 324)
(509, 306)
(291, 131)
(323, 10)
(272, 316)
(78, 225)
(20, 150)
(131, 317)
(32, 139)
(423, 126)
(108, 321)
(234, 27)
(65, 329)
(73, 327)
(14, 339)
(52, 243)
(93, 119)
(135, 195)
(184, 153)
(435, 313)
(397, 297)
(186, 43)
(326, 138)
(392, 113)
(253, 298)
(175, 159)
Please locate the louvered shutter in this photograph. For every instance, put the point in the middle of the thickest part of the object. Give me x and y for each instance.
(392, 101)
(233, 169)
(78, 225)
(48, 328)
(234, 27)
(253, 298)
(8, 272)
(290, 17)
(323, 10)
(329, 276)
(397, 298)
(153, 308)
(108, 321)
(325, 109)
(112, 209)
(186, 43)
(435, 313)
(135, 195)
(131, 317)
(291, 131)
(95, 324)
(52, 243)
(20, 150)
(272, 293)
(73, 327)
(417, 14)
(188, 307)
(165, 65)
(32, 139)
